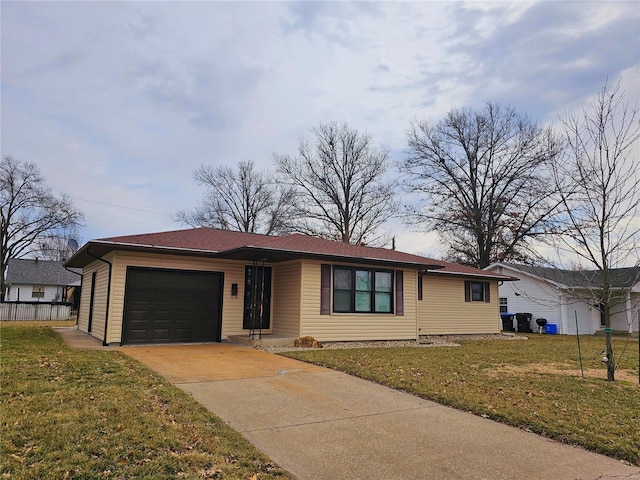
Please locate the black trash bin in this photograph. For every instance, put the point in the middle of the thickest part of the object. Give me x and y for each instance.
(507, 322)
(524, 322)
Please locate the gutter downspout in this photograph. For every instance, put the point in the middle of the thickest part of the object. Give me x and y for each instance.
(417, 304)
(106, 316)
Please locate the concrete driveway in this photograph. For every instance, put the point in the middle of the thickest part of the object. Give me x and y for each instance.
(322, 424)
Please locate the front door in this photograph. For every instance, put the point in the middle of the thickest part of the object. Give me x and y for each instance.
(257, 297)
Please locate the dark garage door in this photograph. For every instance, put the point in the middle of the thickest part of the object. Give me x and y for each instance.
(172, 306)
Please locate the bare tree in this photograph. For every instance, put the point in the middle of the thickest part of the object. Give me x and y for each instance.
(57, 247)
(483, 182)
(245, 200)
(340, 185)
(602, 203)
(30, 211)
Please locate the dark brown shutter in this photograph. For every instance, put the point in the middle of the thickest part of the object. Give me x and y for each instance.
(487, 292)
(325, 289)
(467, 291)
(399, 293)
(419, 287)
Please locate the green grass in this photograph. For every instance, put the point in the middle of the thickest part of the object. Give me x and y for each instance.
(96, 415)
(533, 384)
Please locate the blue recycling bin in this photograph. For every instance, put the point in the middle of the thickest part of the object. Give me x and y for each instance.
(551, 329)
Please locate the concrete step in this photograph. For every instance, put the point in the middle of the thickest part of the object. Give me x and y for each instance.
(266, 340)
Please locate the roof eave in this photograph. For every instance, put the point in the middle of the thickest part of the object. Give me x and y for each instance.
(503, 278)
(246, 252)
(251, 252)
(532, 275)
(101, 247)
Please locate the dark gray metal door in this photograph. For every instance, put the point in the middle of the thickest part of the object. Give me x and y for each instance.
(172, 306)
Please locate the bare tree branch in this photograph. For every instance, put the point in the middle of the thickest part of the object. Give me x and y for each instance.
(30, 212)
(484, 181)
(340, 187)
(246, 200)
(602, 202)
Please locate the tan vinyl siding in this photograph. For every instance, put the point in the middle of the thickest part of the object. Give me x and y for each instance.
(354, 326)
(83, 308)
(286, 287)
(99, 300)
(443, 310)
(232, 307)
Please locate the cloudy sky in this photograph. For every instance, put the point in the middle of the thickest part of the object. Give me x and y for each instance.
(118, 102)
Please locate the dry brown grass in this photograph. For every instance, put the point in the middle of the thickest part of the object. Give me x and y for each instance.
(100, 414)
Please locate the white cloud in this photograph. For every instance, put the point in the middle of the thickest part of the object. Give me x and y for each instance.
(118, 102)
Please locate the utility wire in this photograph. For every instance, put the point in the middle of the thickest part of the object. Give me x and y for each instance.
(121, 206)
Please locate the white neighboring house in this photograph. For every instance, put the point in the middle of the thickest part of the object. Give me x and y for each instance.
(561, 296)
(33, 280)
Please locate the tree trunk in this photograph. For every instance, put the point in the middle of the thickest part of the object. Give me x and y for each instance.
(611, 366)
(610, 362)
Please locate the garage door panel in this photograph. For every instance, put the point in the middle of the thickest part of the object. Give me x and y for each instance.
(138, 336)
(169, 306)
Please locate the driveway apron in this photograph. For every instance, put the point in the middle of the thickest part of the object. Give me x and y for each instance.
(321, 424)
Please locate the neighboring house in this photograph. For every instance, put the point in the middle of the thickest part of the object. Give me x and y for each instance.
(561, 296)
(34, 280)
(205, 284)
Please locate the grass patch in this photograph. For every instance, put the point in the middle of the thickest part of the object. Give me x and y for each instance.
(101, 415)
(533, 384)
(37, 323)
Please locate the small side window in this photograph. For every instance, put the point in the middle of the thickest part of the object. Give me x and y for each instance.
(504, 306)
(476, 291)
(38, 292)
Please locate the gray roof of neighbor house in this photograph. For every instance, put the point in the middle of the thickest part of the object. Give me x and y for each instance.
(210, 242)
(620, 277)
(21, 271)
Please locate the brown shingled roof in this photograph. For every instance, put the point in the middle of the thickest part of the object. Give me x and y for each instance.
(203, 239)
(230, 244)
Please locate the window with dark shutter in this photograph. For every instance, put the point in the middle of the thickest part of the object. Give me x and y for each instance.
(477, 291)
(359, 290)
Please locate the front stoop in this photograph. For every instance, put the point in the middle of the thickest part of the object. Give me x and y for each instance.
(266, 340)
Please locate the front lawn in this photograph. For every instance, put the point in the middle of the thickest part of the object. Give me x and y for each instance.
(534, 384)
(99, 415)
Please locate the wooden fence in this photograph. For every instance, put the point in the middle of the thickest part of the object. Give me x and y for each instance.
(24, 311)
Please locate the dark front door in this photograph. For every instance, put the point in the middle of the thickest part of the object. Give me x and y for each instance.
(172, 306)
(257, 297)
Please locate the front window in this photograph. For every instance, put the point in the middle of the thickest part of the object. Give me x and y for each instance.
(342, 290)
(359, 290)
(383, 291)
